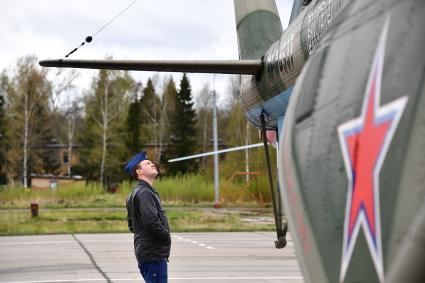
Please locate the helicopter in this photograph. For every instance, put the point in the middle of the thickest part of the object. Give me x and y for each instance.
(343, 88)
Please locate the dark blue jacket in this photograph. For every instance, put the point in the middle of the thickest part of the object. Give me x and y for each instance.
(147, 220)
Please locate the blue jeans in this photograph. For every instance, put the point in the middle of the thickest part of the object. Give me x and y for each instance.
(154, 272)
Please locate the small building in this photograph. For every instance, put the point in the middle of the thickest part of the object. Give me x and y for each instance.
(47, 181)
(57, 156)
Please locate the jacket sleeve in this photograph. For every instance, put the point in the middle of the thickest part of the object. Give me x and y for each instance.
(129, 221)
(150, 217)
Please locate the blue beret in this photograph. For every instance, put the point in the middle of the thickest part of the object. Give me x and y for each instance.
(129, 167)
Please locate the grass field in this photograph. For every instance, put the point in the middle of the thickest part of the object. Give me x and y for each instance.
(89, 208)
(192, 190)
(58, 221)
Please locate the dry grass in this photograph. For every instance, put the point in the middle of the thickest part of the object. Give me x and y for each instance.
(70, 221)
(186, 190)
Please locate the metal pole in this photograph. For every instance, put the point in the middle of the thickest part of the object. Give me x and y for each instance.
(246, 153)
(215, 141)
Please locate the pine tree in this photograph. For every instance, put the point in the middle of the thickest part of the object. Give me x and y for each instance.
(150, 106)
(183, 130)
(133, 123)
(167, 112)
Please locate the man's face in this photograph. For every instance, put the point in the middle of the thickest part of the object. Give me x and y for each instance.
(148, 169)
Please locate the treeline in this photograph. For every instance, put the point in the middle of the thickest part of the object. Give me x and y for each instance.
(117, 117)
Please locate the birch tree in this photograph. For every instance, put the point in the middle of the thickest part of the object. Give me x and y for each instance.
(204, 105)
(105, 110)
(72, 117)
(239, 131)
(62, 82)
(28, 95)
(61, 100)
(3, 125)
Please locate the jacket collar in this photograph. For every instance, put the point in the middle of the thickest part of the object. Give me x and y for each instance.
(143, 183)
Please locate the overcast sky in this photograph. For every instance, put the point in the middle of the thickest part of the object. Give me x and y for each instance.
(160, 29)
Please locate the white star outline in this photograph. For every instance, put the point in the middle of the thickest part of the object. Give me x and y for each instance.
(392, 110)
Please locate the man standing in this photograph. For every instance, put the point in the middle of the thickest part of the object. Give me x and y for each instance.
(148, 222)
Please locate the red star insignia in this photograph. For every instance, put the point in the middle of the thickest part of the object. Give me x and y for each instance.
(365, 141)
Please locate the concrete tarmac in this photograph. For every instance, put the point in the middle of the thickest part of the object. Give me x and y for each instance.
(195, 257)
